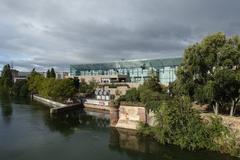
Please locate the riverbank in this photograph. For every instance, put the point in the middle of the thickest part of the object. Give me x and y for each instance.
(129, 117)
(192, 132)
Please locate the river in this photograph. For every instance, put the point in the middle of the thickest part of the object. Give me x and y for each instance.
(28, 132)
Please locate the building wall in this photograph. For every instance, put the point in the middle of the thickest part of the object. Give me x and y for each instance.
(135, 71)
(167, 75)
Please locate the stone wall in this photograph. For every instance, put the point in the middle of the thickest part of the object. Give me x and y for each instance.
(228, 121)
(131, 116)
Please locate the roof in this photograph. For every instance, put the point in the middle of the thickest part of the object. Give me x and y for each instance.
(156, 63)
(23, 74)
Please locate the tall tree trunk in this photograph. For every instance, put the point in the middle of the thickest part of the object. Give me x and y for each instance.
(232, 108)
(215, 108)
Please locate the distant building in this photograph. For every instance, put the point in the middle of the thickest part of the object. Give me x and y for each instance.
(132, 71)
(21, 76)
(61, 75)
(17, 75)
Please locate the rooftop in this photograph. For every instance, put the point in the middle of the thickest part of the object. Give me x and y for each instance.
(127, 64)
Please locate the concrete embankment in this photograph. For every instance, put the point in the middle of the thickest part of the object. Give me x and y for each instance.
(96, 104)
(56, 107)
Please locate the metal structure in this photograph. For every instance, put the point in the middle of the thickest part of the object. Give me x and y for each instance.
(133, 70)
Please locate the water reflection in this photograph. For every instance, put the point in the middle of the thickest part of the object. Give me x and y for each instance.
(136, 147)
(6, 107)
(67, 123)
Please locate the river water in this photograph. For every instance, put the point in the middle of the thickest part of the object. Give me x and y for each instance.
(28, 132)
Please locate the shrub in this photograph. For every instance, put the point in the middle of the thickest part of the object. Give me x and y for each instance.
(132, 95)
(179, 124)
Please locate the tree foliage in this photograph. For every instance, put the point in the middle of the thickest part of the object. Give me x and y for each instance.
(59, 90)
(209, 71)
(51, 73)
(34, 81)
(181, 125)
(149, 94)
(132, 95)
(87, 88)
(6, 80)
(20, 88)
(48, 74)
(63, 89)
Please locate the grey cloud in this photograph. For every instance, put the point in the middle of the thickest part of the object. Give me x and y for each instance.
(60, 32)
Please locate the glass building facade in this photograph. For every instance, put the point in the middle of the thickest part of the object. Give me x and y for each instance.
(136, 71)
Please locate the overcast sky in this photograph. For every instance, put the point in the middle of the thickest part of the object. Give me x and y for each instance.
(46, 33)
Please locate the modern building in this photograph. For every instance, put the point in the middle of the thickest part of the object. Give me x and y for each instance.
(135, 71)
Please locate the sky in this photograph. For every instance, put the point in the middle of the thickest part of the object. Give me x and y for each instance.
(56, 33)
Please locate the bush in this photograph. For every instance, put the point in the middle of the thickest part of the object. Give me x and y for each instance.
(87, 89)
(131, 95)
(148, 95)
(179, 124)
(129, 103)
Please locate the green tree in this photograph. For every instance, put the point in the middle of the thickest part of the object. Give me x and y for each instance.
(48, 74)
(207, 67)
(179, 124)
(151, 92)
(152, 84)
(83, 86)
(63, 89)
(132, 95)
(88, 89)
(46, 87)
(228, 85)
(6, 78)
(76, 83)
(52, 73)
(20, 88)
(34, 82)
